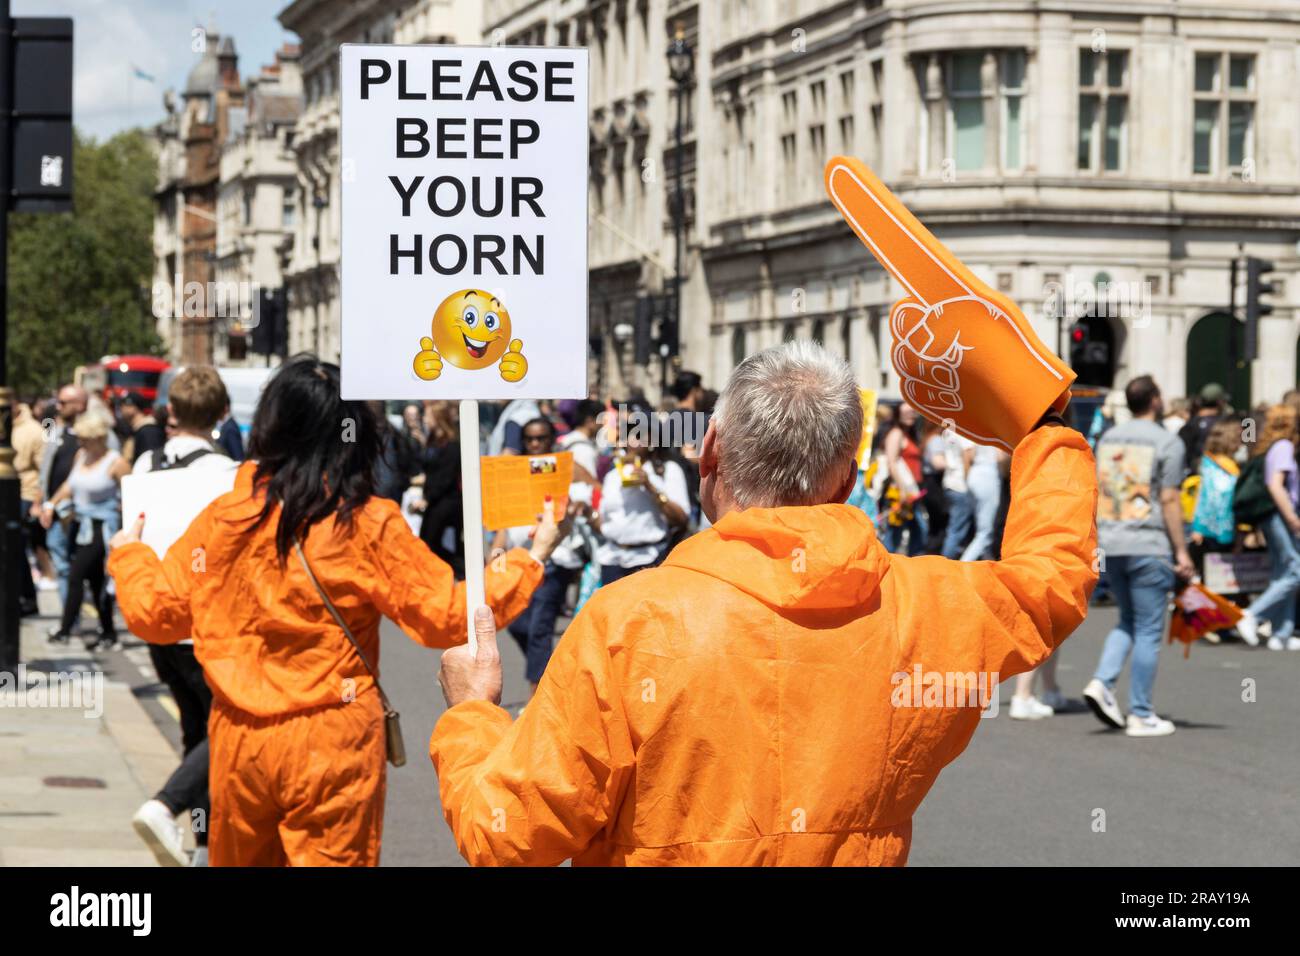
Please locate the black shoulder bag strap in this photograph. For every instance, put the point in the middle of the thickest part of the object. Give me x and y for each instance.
(392, 723)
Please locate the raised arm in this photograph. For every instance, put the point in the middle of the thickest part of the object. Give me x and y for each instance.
(155, 595)
(1008, 616)
(419, 592)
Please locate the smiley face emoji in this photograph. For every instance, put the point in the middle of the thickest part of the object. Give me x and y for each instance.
(471, 330)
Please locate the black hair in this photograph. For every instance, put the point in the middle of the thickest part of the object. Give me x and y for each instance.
(315, 452)
(540, 420)
(685, 383)
(137, 401)
(587, 409)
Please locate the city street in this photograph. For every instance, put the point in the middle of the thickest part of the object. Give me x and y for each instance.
(1023, 793)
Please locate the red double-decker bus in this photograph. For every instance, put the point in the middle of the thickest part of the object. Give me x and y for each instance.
(117, 375)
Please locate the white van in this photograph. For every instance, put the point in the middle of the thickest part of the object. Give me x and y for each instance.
(244, 386)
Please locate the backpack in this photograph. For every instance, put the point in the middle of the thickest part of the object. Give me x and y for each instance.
(162, 463)
(1252, 503)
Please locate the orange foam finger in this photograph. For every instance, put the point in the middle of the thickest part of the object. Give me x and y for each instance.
(965, 354)
(895, 237)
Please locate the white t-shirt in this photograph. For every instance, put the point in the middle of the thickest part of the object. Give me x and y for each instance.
(630, 520)
(182, 445)
(179, 447)
(954, 472)
(583, 449)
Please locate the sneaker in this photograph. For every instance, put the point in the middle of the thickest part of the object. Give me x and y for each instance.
(1276, 644)
(1029, 708)
(57, 635)
(1055, 700)
(199, 857)
(1098, 696)
(160, 831)
(1148, 726)
(1248, 628)
(1293, 643)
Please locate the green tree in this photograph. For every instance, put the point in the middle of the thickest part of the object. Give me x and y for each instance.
(78, 281)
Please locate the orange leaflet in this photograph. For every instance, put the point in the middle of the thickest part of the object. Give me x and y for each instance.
(514, 487)
(965, 355)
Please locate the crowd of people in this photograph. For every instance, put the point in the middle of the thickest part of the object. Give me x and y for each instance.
(1175, 484)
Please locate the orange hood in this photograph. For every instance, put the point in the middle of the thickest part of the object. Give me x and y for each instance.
(762, 552)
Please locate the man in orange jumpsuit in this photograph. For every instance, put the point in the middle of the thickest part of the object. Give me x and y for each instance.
(781, 690)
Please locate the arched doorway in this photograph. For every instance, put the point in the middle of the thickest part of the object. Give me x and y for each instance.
(1214, 349)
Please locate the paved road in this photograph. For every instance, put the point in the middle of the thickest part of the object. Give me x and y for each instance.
(1221, 791)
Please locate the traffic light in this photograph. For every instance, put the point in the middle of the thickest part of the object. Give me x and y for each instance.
(1079, 342)
(1257, 287)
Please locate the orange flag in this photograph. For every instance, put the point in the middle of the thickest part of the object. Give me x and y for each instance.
(965, 355)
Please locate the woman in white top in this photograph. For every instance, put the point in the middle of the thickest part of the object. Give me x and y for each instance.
(643, 503)
(92, 488)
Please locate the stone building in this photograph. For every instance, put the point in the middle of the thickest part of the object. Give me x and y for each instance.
(185, 222)
(311, 273)
(1101, 164)
(257, 203)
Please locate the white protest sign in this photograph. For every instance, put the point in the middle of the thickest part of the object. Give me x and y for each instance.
(464, 242)
(171, 500)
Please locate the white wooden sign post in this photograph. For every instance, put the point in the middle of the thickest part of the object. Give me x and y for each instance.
(464, 234)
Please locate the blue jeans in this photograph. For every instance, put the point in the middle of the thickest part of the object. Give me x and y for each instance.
(58, 541)
(1277, 603)
(534, 630)
(960, 512)
(986, 496)
(892, 535)
(1141, 585)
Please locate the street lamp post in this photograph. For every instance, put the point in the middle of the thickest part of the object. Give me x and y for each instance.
(681, 66)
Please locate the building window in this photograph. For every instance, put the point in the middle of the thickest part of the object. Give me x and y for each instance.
(789, 163)
(288, 210)
(1224, 117)
(817, 142)
(1012, 94)
(737, 346)
(819, 332)
(789, 332)
(877, 104)
(818, 92)
(966, 110)
(846, 135)
(1103, 110)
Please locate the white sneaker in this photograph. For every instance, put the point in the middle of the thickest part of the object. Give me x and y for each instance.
(1148, 726)
(1097, 696)
(1248, 628)
(1276, 644)
(160, 831)
(1029, 708)
(1056, 700)
(1293, 643)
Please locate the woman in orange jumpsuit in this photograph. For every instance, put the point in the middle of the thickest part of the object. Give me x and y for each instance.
(297, 728)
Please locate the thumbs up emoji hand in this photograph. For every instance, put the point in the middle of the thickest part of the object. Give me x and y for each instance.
(963, 353)
(513, 364)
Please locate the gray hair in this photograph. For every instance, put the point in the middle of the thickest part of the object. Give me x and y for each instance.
(788, 423)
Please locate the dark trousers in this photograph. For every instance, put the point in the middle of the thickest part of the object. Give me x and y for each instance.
(187, 787)
(26, 587)
(87, 567)
(534, 630)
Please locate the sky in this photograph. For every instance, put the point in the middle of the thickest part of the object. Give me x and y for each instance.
(112, 38)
